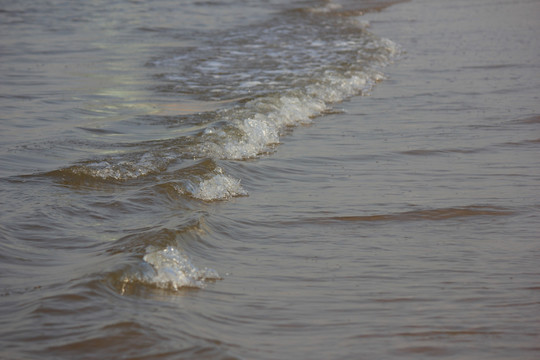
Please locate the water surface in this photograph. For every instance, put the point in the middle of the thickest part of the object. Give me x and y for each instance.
(269, 180)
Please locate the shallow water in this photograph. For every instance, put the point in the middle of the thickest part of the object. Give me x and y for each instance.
(269, 180)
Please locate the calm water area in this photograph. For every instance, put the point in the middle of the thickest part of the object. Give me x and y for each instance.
(270, 179)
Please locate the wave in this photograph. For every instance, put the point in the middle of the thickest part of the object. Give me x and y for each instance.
(243, 90)
(430, 152)
(117, 168)
(170, 268)
(421, 215)
(218, 187)
(286, 72)
(267, 78)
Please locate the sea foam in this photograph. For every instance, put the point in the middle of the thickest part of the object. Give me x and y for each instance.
(217, 187)
(171, 269)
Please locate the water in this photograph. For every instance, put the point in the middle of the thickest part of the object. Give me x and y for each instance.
(269, 180)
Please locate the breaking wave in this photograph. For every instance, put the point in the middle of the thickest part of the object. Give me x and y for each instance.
(253, 84)
(169, 269)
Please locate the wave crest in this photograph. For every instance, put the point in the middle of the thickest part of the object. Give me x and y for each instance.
(169, 269)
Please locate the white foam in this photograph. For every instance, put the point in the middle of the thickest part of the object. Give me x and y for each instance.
(257, 126)
(256, 134)
(217, 187)
(271, 115)
(172, 269)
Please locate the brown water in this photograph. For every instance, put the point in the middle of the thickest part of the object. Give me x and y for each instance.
(236, 182)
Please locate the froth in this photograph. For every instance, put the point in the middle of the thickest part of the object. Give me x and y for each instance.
(218, 186)
(172, 269)
(269, 115)
(264, 120)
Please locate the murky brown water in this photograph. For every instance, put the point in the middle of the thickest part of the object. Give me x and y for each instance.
(193, 181)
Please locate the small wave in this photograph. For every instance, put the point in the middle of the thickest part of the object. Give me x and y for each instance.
(435, 351)
(247, 87)
(527, 142)
(169, 269)
(257, 126)
(352, 8)
(434, 333)
(534, 119)
(204, 180)
(425, 214)
(293, 69)
(218, 187)
(18, 291)
(430, 152)
(326, 8)
(119, 168)
(264, 120)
